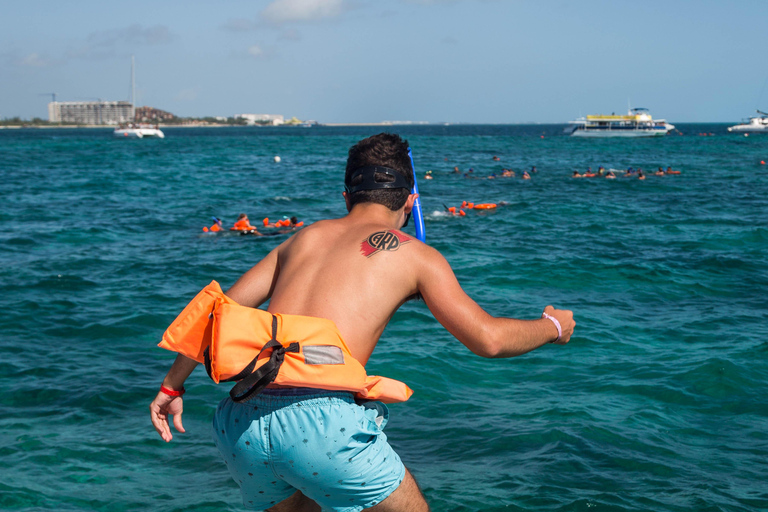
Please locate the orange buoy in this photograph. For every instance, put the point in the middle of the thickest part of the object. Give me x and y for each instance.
(484, 206)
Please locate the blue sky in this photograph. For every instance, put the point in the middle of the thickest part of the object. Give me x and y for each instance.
(477, 61)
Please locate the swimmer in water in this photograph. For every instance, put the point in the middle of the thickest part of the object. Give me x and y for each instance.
(640, 174)
(660, 172)
(526, 176)
(576, 175)
(428, 175)
(589, 173)
(216, 226)
(289, 225)
(495, 158)
(456, 170)
(610, 175)
(243, 224)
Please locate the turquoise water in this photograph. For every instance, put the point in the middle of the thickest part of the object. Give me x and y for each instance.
(658, 403)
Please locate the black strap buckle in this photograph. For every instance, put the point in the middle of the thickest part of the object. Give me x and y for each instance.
(251, 383)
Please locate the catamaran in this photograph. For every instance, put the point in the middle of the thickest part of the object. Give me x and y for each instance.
(137, 130)
(637, 123)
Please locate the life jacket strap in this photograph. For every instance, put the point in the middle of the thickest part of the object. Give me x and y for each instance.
(251, 383)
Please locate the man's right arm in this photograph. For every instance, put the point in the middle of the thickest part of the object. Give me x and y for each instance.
(483, 334)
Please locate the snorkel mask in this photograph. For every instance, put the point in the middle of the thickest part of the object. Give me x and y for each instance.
(369, 183)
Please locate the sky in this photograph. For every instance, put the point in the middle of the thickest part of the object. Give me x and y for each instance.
(336, 61)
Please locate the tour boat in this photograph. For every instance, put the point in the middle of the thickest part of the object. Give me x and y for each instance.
(757, 124)
(637, 123)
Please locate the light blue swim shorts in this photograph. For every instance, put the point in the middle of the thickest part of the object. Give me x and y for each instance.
(319, 442)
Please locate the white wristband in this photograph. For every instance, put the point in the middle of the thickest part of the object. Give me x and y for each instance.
(557, 324)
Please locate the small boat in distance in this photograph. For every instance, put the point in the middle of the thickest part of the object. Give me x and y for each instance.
(637, 123)
(139, 131)
(756, 124)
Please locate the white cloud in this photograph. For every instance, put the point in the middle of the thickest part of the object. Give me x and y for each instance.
(255, 51)
(105, 44)
(133, 34)
(286, 11)
(34, 60)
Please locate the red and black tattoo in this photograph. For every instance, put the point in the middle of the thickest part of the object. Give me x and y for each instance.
(389, 240)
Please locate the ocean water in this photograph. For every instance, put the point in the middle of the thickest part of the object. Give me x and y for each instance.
(658, 403)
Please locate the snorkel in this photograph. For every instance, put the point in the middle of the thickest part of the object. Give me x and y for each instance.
(418, 217)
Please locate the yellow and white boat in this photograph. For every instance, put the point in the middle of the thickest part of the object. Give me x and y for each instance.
(637, 123)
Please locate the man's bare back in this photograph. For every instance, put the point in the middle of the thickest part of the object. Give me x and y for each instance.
(331, 270)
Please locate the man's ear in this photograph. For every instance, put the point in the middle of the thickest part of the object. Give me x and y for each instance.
(409, 202)
(347, 201)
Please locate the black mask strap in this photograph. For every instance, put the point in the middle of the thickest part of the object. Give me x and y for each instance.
(369, 179)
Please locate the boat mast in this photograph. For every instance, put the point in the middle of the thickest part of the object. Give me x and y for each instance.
(133, 91)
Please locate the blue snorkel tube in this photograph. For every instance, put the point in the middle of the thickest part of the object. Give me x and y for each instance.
(418, 217)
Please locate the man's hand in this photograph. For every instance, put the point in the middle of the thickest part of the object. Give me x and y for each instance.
(567, 324)
(160, 408)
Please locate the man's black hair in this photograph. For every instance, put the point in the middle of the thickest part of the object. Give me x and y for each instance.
(386, 150)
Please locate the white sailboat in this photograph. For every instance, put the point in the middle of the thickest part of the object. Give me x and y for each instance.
(137, 130)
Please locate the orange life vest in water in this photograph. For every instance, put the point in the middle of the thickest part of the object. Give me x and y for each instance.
(242, 225)
(256, 348)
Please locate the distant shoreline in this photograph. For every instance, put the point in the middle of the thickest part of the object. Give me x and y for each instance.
(332, 125)
(105, 127)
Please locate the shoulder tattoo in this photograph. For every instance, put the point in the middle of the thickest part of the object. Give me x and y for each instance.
(389, 240)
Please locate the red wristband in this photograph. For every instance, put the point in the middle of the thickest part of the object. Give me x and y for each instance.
(171, 392)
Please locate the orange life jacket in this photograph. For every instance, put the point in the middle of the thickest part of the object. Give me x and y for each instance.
(242, 225)
(216, 227)
(256, 348)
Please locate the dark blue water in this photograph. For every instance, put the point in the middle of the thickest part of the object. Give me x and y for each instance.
(658, 403)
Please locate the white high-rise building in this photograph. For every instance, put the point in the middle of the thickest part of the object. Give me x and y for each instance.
(91, 112)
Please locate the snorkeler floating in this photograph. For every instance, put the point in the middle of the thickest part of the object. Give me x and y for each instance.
(631, 172)
(292, 223)
(216, 226)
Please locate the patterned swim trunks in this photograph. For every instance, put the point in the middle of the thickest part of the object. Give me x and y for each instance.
(318, 442)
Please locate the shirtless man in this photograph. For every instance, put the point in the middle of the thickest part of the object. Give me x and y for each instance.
(356, 271)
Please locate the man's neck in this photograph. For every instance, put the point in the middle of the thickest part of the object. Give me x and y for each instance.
(376, 213)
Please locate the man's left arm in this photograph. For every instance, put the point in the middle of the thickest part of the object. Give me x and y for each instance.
(252, 289)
